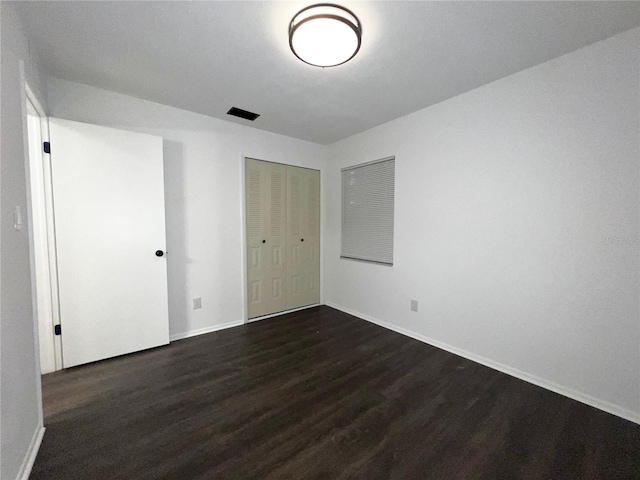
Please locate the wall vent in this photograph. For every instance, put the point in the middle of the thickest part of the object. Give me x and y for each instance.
(238, 112)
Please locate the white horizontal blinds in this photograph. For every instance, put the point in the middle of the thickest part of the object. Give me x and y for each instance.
(367, 211)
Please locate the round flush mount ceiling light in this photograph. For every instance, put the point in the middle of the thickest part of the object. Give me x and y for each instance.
(325, 35)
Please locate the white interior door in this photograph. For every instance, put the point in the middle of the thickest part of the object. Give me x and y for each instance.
(109, 218)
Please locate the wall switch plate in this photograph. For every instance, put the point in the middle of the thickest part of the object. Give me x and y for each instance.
(197, 303)
(414, 305)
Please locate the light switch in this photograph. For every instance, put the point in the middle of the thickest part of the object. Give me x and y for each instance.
(17, 218)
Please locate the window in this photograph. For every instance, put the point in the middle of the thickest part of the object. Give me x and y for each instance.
(367, 211)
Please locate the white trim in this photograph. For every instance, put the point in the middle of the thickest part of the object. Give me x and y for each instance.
(323, 219)
(283, 312)
(514, 372)
(32, 453)
(202, 331)
(34, 305)
(243, 232)
(43, 303)
(237, 323)
(35, 101)
(51, 350)
(53, 252)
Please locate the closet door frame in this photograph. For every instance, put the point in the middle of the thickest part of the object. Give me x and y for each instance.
(245, 260)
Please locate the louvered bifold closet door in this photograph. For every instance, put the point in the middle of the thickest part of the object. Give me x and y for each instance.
(266, 234)
(303, 237)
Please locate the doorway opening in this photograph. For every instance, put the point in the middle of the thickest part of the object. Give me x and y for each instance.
(42, 235)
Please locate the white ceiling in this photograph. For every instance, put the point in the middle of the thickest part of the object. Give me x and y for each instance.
(209, 56)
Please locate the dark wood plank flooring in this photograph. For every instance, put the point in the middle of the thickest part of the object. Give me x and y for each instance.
(319, 394)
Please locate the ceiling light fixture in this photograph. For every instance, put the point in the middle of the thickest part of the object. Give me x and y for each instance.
(325, 35)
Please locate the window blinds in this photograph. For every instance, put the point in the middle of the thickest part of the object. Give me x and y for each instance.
(367, 211)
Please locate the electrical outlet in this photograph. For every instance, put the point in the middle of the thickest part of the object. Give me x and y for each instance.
(197, 303)
(414, 305)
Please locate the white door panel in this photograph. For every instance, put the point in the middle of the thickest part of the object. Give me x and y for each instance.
(303, 236)
(265, 204)
(312, 238)
(109, 215)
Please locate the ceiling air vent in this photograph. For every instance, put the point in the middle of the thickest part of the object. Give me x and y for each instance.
(238, 112)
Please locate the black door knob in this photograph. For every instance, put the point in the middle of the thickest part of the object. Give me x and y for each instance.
(264, 241)
(302, 239)
(159, 253)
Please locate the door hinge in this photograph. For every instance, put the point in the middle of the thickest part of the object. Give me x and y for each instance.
(57, 329)
(47, 147)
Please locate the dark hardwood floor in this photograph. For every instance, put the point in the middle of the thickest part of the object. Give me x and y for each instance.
(319, 394)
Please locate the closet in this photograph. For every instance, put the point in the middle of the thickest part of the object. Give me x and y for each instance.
(283, 237)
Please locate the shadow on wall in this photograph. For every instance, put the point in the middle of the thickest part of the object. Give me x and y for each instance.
(174, 201)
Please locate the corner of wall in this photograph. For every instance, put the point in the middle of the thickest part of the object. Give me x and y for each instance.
(20, 402)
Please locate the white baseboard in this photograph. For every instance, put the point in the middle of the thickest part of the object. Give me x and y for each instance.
(32, 453)
(284, 312)
(237, 323)
(514, 372)
(202, 331)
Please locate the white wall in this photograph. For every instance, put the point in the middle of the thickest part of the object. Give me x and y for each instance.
(20, 407)
(516, 225)
(204, 189)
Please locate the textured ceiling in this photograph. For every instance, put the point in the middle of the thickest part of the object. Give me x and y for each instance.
(209, 56)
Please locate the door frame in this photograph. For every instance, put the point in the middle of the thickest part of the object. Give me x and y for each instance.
(41, 217)
(243, 232)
